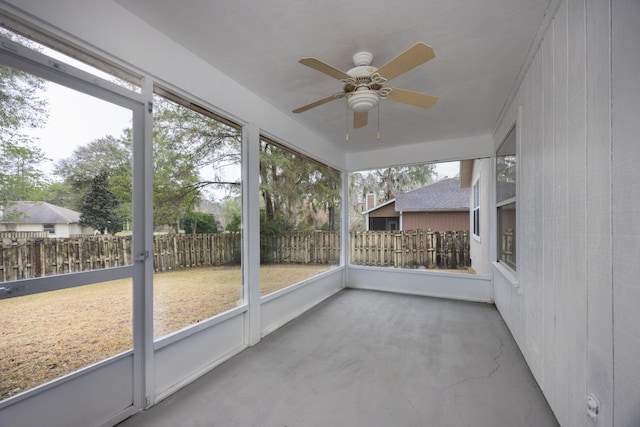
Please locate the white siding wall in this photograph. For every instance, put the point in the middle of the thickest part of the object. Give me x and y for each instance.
(625, 199)
(577, 299)
(77, 229)
(479, 249)
(62, 230)
(28, 227)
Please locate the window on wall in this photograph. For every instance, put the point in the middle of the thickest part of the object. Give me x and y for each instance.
(299, 217)
(506, 168)
(411, 216)
(197, 213)
(475, 210)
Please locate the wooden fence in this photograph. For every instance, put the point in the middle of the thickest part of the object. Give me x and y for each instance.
(308, 247)
(24, 258)
(172, 252)
(410, 249)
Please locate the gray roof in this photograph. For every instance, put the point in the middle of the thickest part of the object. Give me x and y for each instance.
(43, 212)
(442, 195)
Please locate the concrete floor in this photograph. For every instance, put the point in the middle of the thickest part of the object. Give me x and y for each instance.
(366, 358)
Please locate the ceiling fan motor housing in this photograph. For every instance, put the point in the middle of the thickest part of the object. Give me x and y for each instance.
(362, 72)
(362, 96)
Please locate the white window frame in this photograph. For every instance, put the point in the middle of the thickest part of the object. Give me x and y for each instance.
(475, 208)
(512, 200)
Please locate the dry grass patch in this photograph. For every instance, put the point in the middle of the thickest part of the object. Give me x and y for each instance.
(45, 336)
(184, 297)
(277, 276)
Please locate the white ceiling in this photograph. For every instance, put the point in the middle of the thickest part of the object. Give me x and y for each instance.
(480, 47)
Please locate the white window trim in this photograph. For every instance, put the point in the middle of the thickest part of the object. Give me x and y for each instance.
(517, 128)
(474, 208)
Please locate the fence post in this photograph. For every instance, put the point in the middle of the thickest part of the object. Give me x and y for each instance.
(38, 268)
(397, 245)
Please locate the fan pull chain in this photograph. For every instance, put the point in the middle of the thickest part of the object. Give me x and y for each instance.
(378, 121)
(347, 134)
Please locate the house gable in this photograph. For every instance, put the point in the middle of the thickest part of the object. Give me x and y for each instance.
(42, 213)
(442, 206)
(43, 217)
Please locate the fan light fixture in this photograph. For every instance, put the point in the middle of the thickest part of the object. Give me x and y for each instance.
(364, 86)
(363, 100)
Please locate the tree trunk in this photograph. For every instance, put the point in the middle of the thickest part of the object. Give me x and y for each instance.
(332, 218)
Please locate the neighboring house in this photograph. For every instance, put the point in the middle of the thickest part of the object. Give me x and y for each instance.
(442, 206)
(43, 216)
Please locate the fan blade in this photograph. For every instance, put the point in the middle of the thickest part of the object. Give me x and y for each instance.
(325, 68)
(417, 54)
(360, 119)
(318, 102)
(410, 97)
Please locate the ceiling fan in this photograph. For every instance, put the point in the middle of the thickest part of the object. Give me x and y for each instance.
(363, 85)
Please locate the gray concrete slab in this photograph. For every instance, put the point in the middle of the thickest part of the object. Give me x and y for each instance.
(367, 358)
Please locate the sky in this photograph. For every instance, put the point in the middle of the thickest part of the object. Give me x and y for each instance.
(447, 169)
(76, 119)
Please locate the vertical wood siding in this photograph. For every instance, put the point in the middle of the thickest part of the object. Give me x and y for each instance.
(438, 221)
(577, 299)
(625, 198)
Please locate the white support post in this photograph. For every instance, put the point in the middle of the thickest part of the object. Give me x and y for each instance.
(143, 234)
(251, 230)
(344, 228)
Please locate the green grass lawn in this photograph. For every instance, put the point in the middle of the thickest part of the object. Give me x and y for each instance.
(47, 335)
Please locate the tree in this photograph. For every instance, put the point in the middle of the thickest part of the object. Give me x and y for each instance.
(175, 192)
(20, 177)
(234, 224)
(21, 107)
(232, 213)
(104, 155)
(61, 193)
(326, 189)
(187, 142)
(270, 229)
(99, 206)
(297, 190)
(200, 223)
